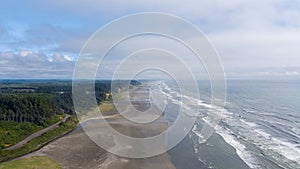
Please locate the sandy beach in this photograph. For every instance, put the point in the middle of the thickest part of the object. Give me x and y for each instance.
(77, 150)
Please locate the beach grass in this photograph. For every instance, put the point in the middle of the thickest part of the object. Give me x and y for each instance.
(106, 106)
(38, 162)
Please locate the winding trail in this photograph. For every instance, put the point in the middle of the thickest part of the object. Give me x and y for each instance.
(36, 134)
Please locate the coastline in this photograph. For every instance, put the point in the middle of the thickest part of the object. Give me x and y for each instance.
(69, 151)
(77, 150)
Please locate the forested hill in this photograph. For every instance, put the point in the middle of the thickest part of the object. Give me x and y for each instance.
(37, 101)
(27, 106)
(36, 108)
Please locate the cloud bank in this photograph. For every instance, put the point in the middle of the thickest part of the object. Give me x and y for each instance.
(253, 38)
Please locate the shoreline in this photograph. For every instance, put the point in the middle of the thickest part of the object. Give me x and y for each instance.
(77, 150)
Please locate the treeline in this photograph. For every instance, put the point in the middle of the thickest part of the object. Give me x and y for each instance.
(28, 106)
(38, 101)
(25, 113)
(58, 87)
(36, 108)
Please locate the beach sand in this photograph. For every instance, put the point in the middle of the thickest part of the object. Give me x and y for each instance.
(77, 150)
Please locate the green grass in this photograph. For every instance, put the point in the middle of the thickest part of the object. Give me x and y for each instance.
(38, 141)
(39, 162)
(106, 106)
(105, 109)
(12, 132)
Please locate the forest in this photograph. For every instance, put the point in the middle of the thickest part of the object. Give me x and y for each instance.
(27, 106)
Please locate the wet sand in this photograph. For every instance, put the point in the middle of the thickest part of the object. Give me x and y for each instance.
(77, 150)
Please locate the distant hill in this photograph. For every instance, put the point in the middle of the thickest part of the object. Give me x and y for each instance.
(135, 83)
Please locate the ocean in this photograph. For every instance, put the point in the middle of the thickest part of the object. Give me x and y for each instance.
(259, 126)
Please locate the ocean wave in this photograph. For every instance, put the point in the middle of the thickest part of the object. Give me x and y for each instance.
(235, 127)
(230, 139)
(241, 149)
(210, 120)
(290, 151)
(275, 147)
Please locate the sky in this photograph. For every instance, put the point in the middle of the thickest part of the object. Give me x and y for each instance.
(254, 38)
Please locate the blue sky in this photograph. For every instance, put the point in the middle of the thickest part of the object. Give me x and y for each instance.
(255, 39)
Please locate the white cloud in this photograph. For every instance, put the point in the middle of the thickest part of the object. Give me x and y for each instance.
(292, 73)
(259, 49)
(24, 53)
(29, 64)
(68, 58)
(249, 34)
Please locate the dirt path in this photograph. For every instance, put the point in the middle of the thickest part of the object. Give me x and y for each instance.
(36, 134)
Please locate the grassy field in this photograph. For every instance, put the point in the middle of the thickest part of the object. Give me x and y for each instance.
(106, 106)
(39, 162)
